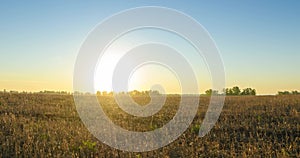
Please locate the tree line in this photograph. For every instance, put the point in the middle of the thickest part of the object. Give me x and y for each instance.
(288, 93)
(232, 91)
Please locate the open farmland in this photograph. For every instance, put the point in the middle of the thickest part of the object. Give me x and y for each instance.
(47, 125)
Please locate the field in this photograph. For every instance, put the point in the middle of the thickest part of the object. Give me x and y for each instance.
(47, 125)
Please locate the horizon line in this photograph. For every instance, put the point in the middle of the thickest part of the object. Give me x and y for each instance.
(72, 92)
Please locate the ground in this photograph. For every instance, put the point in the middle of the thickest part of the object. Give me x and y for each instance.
(47, 125)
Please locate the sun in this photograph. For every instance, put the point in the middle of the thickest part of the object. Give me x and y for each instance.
(104, 72)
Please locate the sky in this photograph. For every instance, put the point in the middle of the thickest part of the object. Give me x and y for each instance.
(258, 41)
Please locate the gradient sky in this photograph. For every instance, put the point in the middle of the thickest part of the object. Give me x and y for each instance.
(259, 41)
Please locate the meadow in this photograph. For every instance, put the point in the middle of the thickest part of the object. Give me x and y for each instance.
(47, 125)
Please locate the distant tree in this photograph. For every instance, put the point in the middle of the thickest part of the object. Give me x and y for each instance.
(236, 90)
(208, 92)
(228, 91)
(253, 92)
(284, 93)
(245, 92)
(248, 91)
(98, 93)
(295, 92)
(288, 93)
(211, 92)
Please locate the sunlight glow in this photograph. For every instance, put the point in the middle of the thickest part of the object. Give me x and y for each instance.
(144, 77)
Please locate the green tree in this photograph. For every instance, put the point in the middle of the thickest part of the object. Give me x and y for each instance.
(283, 93)
(253, 92)
(236, 90)
(228, 91)
(295, 92)
(248, 91)
(211, 92)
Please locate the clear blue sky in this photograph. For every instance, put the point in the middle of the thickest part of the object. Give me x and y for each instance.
(259, 40)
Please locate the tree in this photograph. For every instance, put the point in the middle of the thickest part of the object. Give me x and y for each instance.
(283, 93)
(248, 91)
(288, 93)
(228, 91)
(236, 90)
(295, 92)
(211, 92)
(98, 93)
(253, 92)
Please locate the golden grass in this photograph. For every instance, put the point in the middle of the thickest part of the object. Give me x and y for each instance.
(41, 125)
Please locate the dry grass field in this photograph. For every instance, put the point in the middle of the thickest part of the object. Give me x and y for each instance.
(47, 125)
